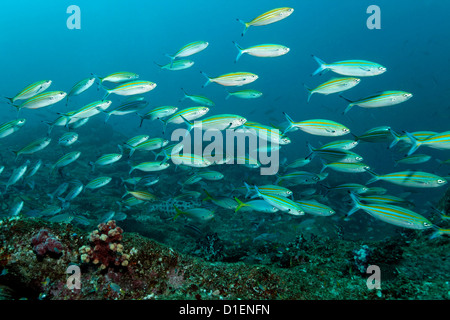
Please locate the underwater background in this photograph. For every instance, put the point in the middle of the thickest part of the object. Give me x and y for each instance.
(135, 36)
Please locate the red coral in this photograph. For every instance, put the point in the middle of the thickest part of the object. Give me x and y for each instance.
(107, 249)
(45, 242)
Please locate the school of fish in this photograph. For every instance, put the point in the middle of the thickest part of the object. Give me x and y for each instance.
(293, 191)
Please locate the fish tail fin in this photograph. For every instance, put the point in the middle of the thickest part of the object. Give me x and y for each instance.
(131, 170)
(375, 176)
(257, 191)
(328, 188)
(228, 95)
(279, 179)
(16, 154)
(240, 204)
(185, 94)
(50, 126)
(92, 164)
(179, 212)
(310, 93)
(120, 149)
(349, 106)
(11, 100)
(239, 53)
(188, 123)
(246, 26)
(159, 65)
(126, 191)
(164, 122)
(324, 165)
(142, 120)
(322, 66)
(108, 114)
(132, 150)
(108, 92)
(415, 143)
(311, 151)
(99, 83)
(435, 234)
(249, 189)
(290, 121)
(396, 137)
(172, 58)
(208, 79)
(208, 195)
(356, 207)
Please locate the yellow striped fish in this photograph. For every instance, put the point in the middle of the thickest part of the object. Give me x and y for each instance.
(318, 127)
(204, 101)
(42, 100)
(150, 166)
(217, 122)
(98, 183)
(417, 179)
(268, 17)
(232, 79)
(262, 50)
(10, 127)
(354, 68)
(191, 160)
(333, 86)
(282, 203)
(141, 195)
(395, 215)
(382, 99)
(34, 146)
(315, 208)
(188, 50)
(31, 90)
(131, 88)
(118, 77)
(438, 141)
(264, 132)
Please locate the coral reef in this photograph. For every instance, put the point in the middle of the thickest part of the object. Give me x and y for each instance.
(105, 248)
(45, 242)
(412, 266)
(361, 258)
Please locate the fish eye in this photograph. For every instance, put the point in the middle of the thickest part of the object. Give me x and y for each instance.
(441, 181)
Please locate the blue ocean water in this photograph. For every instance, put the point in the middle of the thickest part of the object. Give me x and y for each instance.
(133, 35)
